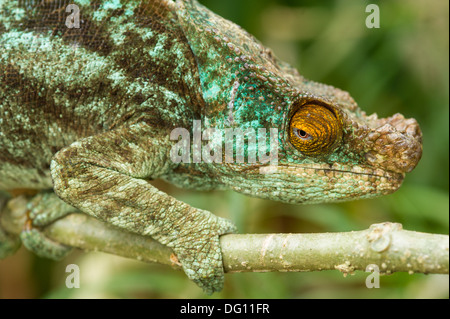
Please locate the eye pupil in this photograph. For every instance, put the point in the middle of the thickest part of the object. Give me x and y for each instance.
(301, 133)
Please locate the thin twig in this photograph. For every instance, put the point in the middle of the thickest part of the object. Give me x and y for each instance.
(386, 245)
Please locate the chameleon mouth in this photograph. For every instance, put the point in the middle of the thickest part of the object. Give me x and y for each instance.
(344, 181)
(316, 183)
(359, 172)
(313, 169)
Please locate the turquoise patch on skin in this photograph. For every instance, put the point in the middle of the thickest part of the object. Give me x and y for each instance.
(19, 14)
(158, 49)
(84, 2)
(102, 12)
(128, 12)
(212, 91)
(113, 4)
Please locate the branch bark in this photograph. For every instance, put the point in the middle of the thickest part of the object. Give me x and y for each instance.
(386, 245)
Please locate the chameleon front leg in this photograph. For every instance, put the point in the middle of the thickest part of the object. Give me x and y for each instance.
(105, 176)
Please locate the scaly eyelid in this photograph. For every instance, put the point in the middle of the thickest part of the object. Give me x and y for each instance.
(322, 126)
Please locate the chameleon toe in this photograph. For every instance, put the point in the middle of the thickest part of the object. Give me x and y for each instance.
(42, 246)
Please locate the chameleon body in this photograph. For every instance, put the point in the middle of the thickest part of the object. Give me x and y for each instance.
(86, 115)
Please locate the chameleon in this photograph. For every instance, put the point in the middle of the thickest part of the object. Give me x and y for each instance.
(92, 93)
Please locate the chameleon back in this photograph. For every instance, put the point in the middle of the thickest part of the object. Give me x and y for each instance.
(125, 63)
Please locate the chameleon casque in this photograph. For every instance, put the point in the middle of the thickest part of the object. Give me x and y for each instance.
(86, 116)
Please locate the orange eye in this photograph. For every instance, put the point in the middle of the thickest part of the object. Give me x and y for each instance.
(315, 130)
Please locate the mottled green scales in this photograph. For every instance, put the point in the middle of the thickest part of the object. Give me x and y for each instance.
(86, 116)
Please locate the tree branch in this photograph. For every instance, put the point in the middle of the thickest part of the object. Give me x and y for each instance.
(385, 245)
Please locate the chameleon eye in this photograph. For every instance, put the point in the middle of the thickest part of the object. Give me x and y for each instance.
(315, 130)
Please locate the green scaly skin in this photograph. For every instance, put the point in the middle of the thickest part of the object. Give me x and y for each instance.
(87, 113)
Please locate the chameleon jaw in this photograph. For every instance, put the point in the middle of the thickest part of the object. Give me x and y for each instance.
(330, 183)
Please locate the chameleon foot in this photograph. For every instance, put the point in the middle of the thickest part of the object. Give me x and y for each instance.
(44, 209)
(42, 246)
(201, 256)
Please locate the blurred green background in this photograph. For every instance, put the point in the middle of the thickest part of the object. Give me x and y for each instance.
(400, 67)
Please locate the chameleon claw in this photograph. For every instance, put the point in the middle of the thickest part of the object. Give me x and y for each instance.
(28, 225)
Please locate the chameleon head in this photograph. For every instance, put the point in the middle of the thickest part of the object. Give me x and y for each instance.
(330, 151)
(318, 129)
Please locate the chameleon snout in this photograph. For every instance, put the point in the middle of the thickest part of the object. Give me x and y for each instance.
(396, 144)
